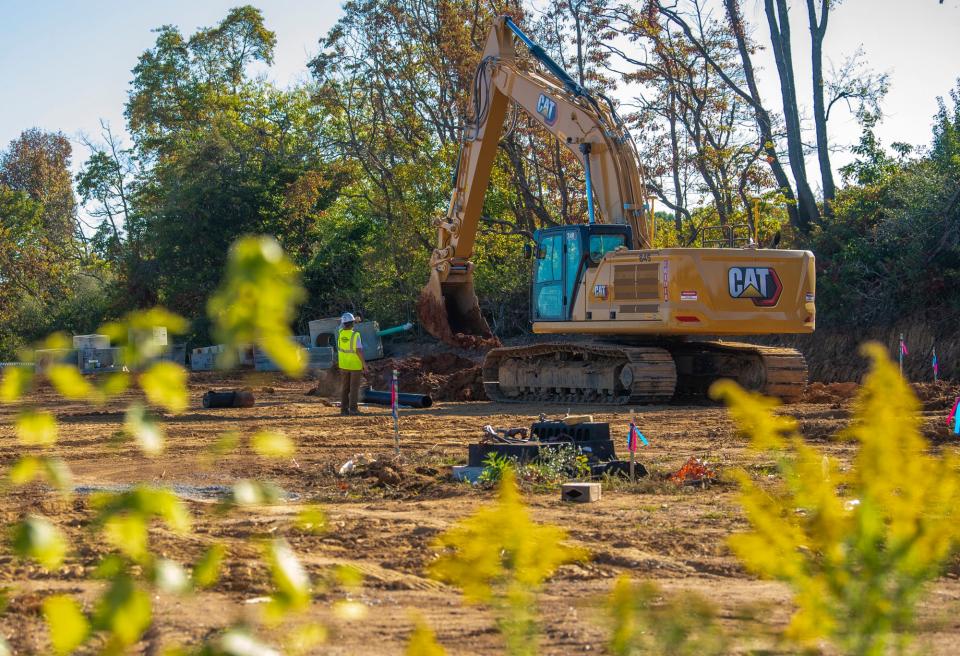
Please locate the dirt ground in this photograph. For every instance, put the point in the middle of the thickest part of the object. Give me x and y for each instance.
(383, 524)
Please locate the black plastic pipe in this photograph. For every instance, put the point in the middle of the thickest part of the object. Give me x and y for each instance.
(383, 398)
(228, 399)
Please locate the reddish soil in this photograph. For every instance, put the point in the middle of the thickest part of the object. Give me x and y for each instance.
(444, 376)
(384, 516)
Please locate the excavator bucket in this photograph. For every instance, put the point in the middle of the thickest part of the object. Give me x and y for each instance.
(451, 313)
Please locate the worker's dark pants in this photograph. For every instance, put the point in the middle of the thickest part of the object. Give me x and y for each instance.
(349, 390)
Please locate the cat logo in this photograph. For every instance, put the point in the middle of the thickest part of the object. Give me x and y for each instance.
(760, 284)
(547, 109)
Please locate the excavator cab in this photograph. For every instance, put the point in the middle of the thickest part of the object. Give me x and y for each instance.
(563, 254)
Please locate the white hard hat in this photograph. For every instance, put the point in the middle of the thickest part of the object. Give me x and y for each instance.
(347, 317)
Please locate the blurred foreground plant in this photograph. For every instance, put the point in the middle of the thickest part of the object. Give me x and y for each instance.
(857, 547)
(500, 557)
(256, 302)
(642, 623)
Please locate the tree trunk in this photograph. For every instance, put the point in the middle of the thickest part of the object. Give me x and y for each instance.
(779, 23)
(817, 33)
(764, 122)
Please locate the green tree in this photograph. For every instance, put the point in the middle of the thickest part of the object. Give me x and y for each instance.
(225, 153)
(38, 163)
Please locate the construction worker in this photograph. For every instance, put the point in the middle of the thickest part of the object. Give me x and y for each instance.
(351, 363)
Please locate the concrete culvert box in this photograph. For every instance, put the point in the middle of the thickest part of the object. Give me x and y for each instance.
(323, 332)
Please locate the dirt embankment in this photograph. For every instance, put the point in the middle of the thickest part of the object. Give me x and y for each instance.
(833, 354)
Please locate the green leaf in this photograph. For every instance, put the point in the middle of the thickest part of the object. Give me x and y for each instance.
(127, 532)
(28, 468)
(147, 502)
(124, 611)
(16, 382)
(348, 576)
(289, 356)
(289, 577)
(304, 639)
(207, 570)
(25, 470)
(165, 384)
(145, 431)
(272, 444)
(423, 642)
(115, 383)
(57, 341)
(256, 302)
(68, 625)
(250, 493)
(36, 428)
(312, 520)
(58, 473)
(35, 537)
(70, 383)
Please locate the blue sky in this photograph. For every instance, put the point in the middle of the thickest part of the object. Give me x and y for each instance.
(65, 65)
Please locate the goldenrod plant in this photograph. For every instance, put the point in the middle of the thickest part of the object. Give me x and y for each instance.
(253, 306)
(500, 557)
(423, 642)
(643, 621)
(857, 546)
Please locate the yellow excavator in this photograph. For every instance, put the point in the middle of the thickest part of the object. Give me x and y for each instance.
(643, 307)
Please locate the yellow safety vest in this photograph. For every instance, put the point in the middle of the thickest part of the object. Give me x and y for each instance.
(347, 357)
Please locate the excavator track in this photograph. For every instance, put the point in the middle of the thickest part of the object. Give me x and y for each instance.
(579, 373)
(601, 373)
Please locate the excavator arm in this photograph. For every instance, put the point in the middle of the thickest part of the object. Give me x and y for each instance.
(586, 124)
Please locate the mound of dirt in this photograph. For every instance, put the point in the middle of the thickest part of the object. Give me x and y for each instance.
(829, 392)
(937, 396)
(444, 376)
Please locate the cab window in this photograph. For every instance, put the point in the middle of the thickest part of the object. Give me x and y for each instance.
(600, 245)
(550, 266)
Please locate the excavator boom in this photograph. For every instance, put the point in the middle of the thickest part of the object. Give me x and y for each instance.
(448, 306)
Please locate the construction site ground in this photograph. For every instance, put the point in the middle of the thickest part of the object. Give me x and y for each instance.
(383, 519)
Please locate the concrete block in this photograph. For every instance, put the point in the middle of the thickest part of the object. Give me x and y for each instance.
(216, 348)
(43, 358)
(203, 361)
(580, 492)
(175, 353)
(245, 355)
(321, 357)
(156, 336)
(468, 474)
(93, 361)
(91, 341)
